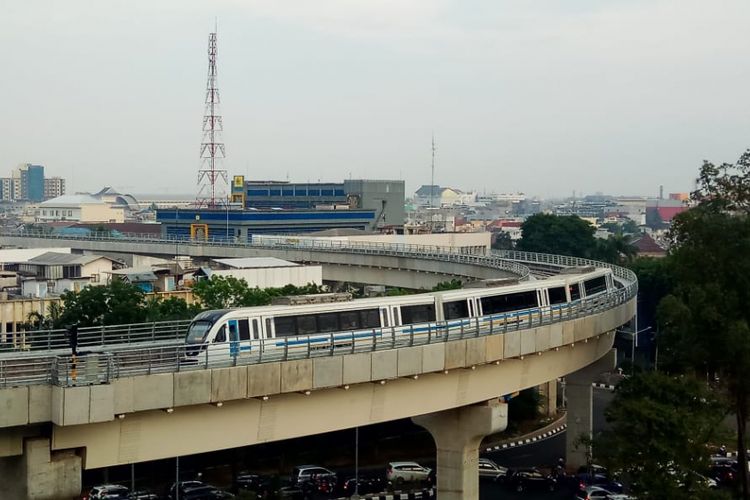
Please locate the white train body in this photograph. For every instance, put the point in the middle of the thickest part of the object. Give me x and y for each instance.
(276, 330)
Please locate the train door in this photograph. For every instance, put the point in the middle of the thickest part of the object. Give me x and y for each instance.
(233, 329)
(472, 307)
(385, 317)
(542, 298)
(397, 316)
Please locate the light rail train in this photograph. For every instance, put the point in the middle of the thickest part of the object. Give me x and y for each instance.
(228, 333)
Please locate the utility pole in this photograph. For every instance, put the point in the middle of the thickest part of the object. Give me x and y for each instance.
(212, 149)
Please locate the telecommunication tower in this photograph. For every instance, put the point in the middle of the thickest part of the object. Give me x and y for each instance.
(210, 177)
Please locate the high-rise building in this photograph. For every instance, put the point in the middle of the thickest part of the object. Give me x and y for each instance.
(6, 189)
(54, 187)
(28, 182)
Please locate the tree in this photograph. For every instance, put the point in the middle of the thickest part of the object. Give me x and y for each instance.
(655, 282)
(454, 284)
(170, 309)
(221, 292)
(113, 304)
(705, 321)
(617, 249)
(501, 241)
(659, 428)
(563, 235)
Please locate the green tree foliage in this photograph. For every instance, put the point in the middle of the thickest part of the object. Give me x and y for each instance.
(221, 292)
(616, 249)
(170, 309)
(116, 303)
(655, 282)
(525, 406)
(571, 235)
(659, 428)
(705, 321)
(563, 235)
(448, 285)
(501, 241)
(627, 227)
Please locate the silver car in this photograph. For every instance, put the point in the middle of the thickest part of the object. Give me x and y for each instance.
(490, 470)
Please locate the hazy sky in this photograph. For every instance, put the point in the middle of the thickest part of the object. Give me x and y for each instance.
(539, 96)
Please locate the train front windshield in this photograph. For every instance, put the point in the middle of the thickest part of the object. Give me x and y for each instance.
(197, 332)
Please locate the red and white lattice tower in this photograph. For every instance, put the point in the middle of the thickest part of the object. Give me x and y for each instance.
(212, 180)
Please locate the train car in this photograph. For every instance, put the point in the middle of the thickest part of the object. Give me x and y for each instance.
(279, 330)
(227, 333)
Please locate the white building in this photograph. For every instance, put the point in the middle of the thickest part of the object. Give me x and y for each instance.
(266, 272)
(59, 272)
(78, 208)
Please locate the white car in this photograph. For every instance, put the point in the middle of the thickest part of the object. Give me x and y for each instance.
(106, 491)
(401, 472)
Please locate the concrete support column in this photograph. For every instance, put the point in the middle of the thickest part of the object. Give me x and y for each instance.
(39, 474)
(548, 395)
(458, 433)
(578, 391)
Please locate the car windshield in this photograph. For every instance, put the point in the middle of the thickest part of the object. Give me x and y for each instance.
(197, 332)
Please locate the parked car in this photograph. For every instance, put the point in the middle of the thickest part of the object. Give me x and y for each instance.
(531, 479)
(278, 487)
(490, 470)
(322, 483)
(367, 484)
(143, 495)
(199, 488)
(595, 493)
(596, 475)
(108, 491)
(303, 473)
(401, 472)
(725, 474)
(248, 481)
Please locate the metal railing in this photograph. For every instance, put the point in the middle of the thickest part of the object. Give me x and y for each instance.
(547, 261)
(103, 367)
(96, 336)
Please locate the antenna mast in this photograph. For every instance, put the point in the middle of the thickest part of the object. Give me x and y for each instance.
(432, 178)
(212, 149)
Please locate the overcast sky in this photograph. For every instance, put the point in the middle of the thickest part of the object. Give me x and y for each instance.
(541, 96)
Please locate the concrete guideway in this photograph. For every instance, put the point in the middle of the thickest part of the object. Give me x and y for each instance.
(405, 266)
(145, 417)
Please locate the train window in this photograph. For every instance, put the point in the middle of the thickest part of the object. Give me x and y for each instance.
(306, 324)
(509, 302)
(285, 326)
(328, 322)
(221, 336)
(557, 295)
(456, 310)
(349, 320)
(256, 331)
(370, 318)
(244, 329)
(575, 292)
(421, 313)
(595, 285)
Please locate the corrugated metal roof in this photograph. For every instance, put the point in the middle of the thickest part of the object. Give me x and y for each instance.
(24, 254)
(255, 262)
(64, 259)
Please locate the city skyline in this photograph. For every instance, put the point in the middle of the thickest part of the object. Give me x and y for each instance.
(520, 98)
